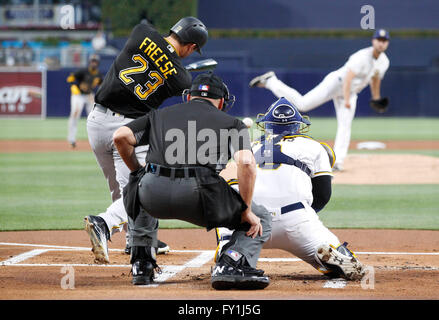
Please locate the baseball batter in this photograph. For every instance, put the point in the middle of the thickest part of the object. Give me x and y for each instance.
(293, 182)
(365, 67)
(147, 71)
(83, 82)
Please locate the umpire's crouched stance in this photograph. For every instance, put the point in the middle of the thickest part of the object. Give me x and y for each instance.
(190, 143)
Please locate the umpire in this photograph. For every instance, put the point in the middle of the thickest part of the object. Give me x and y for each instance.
(189, 144)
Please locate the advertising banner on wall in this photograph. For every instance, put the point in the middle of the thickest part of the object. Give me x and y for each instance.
(22, 92)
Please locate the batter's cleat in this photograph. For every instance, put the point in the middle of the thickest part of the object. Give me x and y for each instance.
(340, 261)
(143, 262)
(232, 272)
(73, 144)
(99, 235)
(162, 248)
(261, 80)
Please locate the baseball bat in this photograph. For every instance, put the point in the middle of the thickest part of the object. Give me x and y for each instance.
(202, 65)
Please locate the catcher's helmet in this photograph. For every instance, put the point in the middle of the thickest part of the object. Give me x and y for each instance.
(192, 30)
(283, 116)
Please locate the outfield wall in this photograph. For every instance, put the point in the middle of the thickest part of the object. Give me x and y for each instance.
(412, 93)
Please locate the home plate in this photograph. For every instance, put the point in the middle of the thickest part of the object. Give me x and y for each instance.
(338, 283)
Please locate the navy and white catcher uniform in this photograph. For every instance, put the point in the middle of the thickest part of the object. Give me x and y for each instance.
(293, 182)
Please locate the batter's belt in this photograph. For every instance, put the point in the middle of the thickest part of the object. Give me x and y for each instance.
(100, 108)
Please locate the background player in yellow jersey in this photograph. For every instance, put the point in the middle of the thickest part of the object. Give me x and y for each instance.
(83, 82)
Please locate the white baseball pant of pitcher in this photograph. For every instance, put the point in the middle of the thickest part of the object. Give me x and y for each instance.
(77, 103)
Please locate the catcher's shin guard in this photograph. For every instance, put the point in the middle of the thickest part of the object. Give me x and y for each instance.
(339, 262)
(223, 236)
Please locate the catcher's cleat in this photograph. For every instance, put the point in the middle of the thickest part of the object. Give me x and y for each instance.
(340, 261)
(99, 235)
(143, 260)
(162, 248)
(261, 80)
(232, 272)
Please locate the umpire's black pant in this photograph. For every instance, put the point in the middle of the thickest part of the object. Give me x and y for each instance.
(179, 198)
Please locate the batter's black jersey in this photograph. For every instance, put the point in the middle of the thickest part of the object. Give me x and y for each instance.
(145, 73)
(191, 134)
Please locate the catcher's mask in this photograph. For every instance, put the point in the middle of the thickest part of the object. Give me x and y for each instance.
(282, 116)
(211, 86)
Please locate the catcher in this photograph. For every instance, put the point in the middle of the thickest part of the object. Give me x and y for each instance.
(365, 67)
(293, 182)
(83, 82)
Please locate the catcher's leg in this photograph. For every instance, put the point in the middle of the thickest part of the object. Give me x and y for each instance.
(301, 233)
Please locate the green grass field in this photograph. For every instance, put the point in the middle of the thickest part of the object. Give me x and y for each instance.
(55, 190)
(321, 129)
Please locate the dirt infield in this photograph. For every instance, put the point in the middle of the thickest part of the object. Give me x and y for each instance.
(404, 265)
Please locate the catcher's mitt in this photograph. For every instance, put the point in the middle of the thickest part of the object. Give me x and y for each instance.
(379, 105)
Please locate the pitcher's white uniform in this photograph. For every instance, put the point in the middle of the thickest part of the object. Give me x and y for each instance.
(364, 65)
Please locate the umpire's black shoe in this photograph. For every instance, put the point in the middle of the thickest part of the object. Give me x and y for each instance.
(233, 272)
(99, 235)
(143, 272)
(143, 265)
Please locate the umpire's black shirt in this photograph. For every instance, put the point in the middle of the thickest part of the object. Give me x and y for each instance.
(145, 73)
(190, 134)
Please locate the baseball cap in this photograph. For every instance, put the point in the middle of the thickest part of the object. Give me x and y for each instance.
(381, 34)
(208, 85)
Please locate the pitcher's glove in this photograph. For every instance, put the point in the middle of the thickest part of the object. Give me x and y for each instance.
(379, 105)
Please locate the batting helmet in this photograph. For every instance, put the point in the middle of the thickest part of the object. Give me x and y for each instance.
(283, 116)
(191, 30)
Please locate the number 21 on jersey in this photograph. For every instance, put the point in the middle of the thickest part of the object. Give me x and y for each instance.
(142, 92)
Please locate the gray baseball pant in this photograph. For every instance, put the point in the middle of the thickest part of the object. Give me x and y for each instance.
(101, 124)
(179, 198)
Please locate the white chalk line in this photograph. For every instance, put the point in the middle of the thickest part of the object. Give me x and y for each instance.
(338, 283)
(168, 271)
